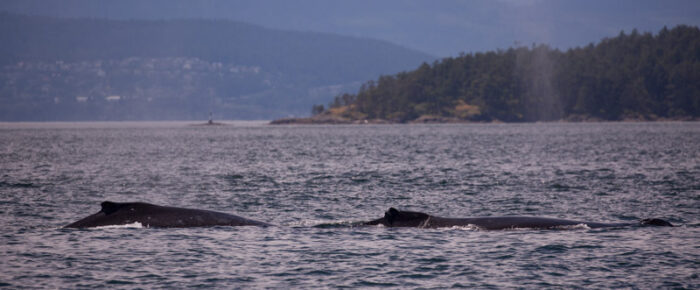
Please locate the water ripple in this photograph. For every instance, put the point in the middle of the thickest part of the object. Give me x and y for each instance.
(317, 183)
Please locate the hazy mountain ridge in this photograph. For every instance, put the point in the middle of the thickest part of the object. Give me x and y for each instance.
(235, 69)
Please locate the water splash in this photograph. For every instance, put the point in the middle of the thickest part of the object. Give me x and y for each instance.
(134, 225)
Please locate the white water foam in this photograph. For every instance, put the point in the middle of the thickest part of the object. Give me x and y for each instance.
(468, 227)
(471, 227)
(134, 225)
(574, 227)
(315, 222)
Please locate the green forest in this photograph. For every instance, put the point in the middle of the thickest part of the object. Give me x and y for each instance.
(639, 76)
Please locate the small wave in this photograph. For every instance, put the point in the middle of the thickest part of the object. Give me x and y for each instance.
(134, 225)
(233, 176)
(338, 224)
(17, 185)
(552, 249)
(119, 282)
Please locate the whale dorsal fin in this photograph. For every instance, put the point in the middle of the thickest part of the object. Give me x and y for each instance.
(109, 207)
(394, 215)
(391, 214)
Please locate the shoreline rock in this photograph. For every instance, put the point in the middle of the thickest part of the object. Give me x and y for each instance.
(336, 120)
(312, 120)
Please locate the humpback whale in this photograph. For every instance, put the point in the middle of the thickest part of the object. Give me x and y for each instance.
(398, 218)
(150, 215)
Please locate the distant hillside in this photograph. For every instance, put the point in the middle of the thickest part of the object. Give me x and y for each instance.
(632, 76)
(65, 69)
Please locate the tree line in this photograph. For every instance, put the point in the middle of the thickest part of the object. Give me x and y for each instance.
(633, 75)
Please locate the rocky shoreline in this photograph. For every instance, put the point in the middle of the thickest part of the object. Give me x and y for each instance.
(326, 119)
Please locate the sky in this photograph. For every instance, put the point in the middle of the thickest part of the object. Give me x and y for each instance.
(438, 27)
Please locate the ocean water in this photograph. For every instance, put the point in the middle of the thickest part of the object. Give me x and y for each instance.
(299, 177)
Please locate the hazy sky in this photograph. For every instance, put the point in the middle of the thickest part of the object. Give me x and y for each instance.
(441, 28)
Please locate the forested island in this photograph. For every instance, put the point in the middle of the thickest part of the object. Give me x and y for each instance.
(634, 76)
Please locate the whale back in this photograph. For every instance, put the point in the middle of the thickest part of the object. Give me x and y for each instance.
(398, 218)
(150, 215)
(109, 207)
(656, 222)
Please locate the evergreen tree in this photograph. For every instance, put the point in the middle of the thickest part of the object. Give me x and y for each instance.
(635, 75)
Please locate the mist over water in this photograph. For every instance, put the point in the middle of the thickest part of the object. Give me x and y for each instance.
(537, 68)
(301, 176)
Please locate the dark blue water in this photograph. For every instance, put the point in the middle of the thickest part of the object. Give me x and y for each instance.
(298, 177)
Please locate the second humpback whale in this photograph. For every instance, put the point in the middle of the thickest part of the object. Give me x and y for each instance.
(398, 218)
(150, 215)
